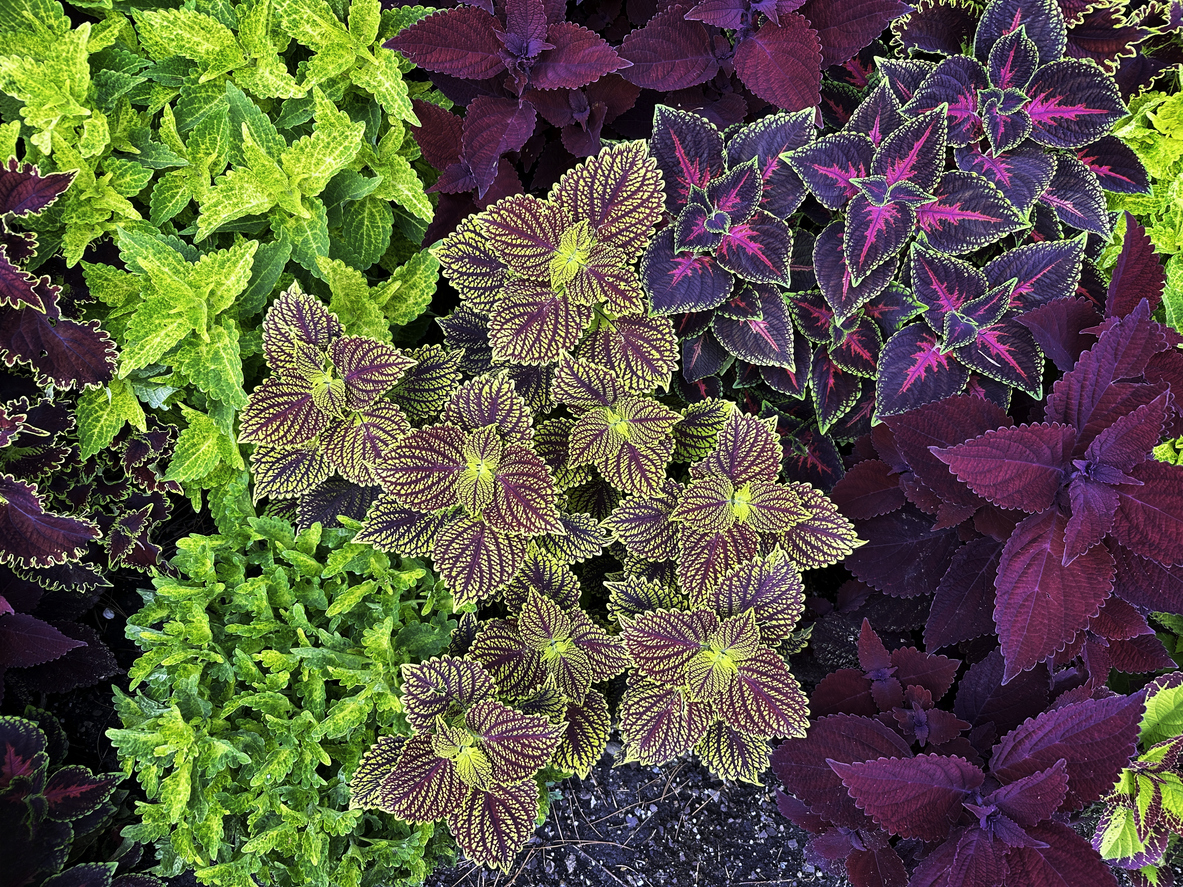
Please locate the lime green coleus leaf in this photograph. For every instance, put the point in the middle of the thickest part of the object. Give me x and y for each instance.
(102, 412)
(165, 33)
(53, 85)
(371, 311)
(183, 298)
(201, 448)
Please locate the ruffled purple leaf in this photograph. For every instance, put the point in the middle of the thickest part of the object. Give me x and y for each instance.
(24, 189)
(938, 26)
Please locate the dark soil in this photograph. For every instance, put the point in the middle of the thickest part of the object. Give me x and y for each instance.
(634, 826)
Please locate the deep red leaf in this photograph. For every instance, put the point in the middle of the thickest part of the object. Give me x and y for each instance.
(781, 63)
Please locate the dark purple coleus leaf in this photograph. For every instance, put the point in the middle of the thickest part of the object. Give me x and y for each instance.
(689, 153)
(27, 641)
(846, 27)
(829, 166)
(833, 274)
(766, 140)
(1115, 165)
(1137, 275)
(1021, 174)
(669, 53)
(1076, 196)
(24, 189)
(1072, 104)
(781, 63)
(1042, 20)
(968, 212)
(913, 371)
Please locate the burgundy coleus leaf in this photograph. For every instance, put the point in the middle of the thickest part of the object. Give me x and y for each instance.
(943, 27)
(770, 587)
(968, 212)
(803, 765)
(847, 27)
(767, 140)
(963, 606)
(27, 641)
(916, 797)
(1065, 860)
(1021, 174)
(575, 58)
(1075, 195)
(24, 189)
(33, 537)
(1041, 603)
(462, 42)
(1021, 467)
(61, 352)
(781, 63)
(438, 135)
(1058, 329)
(914, 371)
(1042, 20)
(1095, 738)
(1115, 165)
(493, 126)
(1073, 103)
(669, 53)
(904, 556)
(1137, 275)
(1149, 516)
(18, 287)
(868, 490)
(829, 166)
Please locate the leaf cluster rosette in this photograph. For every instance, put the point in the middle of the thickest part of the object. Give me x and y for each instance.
(269, 664)
(897, 790)
(992, 516)
(49, 811)
(1140, 819)
(1135, 45)
(540, 91)
(322, 422)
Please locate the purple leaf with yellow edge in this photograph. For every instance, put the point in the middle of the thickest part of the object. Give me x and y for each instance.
(918, 797)
(877, 116)
(781, 63)
(1013, 60)
(524, 232)
(669, 54)
(969, 212)
(689, 152)
(912, 153)
(357, 446)
(281, 413)
(814, 317)
(1073, 103)
(634, 595)
(769, 507)
(533, 324)
(746, 448)
(658, 722)
(1116, 165)
(476, 560)
(1006, 351)
(642, 523)
(699, 225)
(695, 435)
(758, 249)
(1005, 121)
(297, 316)
(442, 687)
(1019, 467)
(517, 668)
(765, 339)
(1042, 21)
(369, 368)
(1077, 198)
(835, 390)
(942, 27)
(607, 277)
(764, 699)
(1041, 604)
(641, 351)
(828, 166)
(542, 575)
(618, 193)
(1044, 272)
(493, 826)
(18, 287)
(856, 346)
(834, 277)
(874, 234)
(913, 371)
(686, 282)
(490, 400)
(470, 263)
(24, 189)
(524, 501)
(732, 754)
(944, 284)
(1021, 174)
(766, 141)
(582, 538)
(588, 724)
(518, 745)
(420, 470)
(662, 643)
(64, 353)
(704, 356)
(285, 473)
(770, 587)
(737, 192)
(707, 505)
(706, 557)
(390, 526)
(422, 786)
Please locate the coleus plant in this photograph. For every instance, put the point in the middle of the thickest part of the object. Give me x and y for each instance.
(716, 264)
(1072, 507)
(977, 796)
(1141, 816)
(556, 277)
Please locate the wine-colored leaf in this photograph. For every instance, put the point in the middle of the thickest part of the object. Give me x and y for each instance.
(1020, 467)
(1066, 860)
(846, 28)
(493, 126)
(1137, 275)
(460, 42)
(33, 537)
(669, 53)
(577, 57)
(781, 63)
(963, 607)
(1149, 518)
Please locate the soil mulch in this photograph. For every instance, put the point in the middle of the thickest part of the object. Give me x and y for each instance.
(634, 826)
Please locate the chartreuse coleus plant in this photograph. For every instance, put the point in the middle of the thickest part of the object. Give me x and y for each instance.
(150, 109)
(1143, 814)
(49, 811)
(270, 663)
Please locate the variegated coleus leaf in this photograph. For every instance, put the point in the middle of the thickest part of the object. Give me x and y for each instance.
(705, 557)
(358, 444)
(585, 736)
(442, 687)
(287, 473)
(517, 745)
(642, 351)
(421, 469)
(629, 443)
(493, 826)
(490, 400)
(642, 523)
(746, 448)
(475, 560)
(695, 435)
(425, 387)
(713, 504)
(551, 438)
(583, 385)
(769, 587)
(546, 576)
(733, 754)
(368, 368)
(659, 722)
(663, 643)
(390, 526)
(293, 319)
(634, 595)
(472, 266)
(716, 665)
(515, 666)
